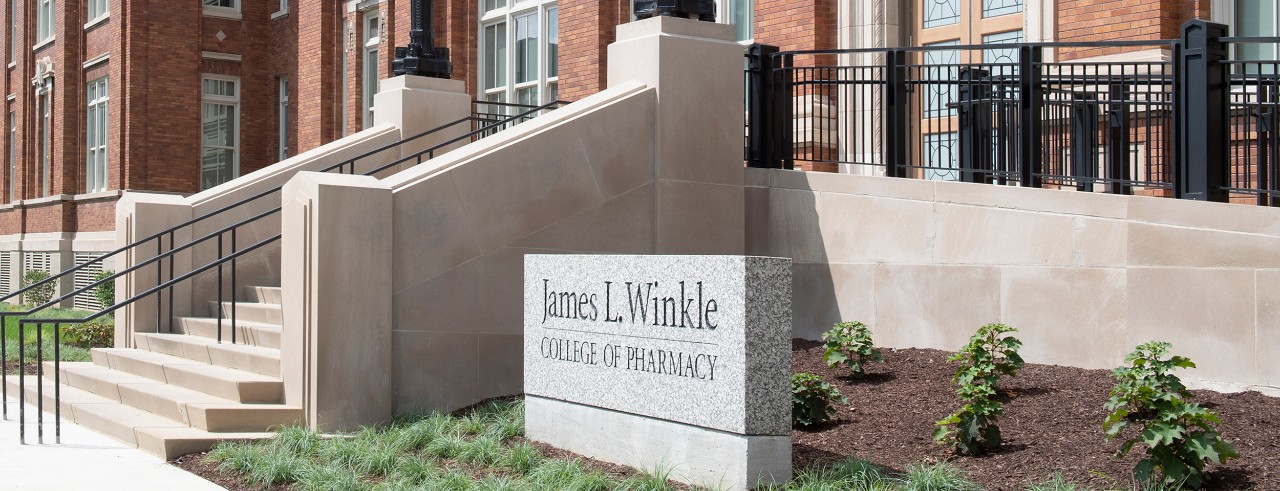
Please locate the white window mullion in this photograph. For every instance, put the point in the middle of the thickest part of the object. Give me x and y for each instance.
(284, 118)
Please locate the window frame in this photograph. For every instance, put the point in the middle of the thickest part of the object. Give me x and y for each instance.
(508, 90)
(234, 102)
(12, 154)
(370, 54)
(282, 99)
(97, 11)
(97, 134)
(281, 9)
(45, 25)
(230, 12)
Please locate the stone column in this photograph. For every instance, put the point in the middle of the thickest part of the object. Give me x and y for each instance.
(140, 215)
(696, 68)
(335, 355)
(418, 104)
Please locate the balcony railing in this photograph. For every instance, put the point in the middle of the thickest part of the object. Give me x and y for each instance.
(1177, 118)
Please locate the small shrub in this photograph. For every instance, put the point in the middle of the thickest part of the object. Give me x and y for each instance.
(811, 399)
(1179, 435)
(106, 292)
(93, 334)
(850, 343)
(990, 353)
(39, 295)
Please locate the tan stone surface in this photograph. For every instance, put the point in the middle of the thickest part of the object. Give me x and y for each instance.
(1267, 298)
(1067, 316)
(833, 293)
(934, 306)
(1163, 245)
(995, 236)
(1208, 315)
(864, 229)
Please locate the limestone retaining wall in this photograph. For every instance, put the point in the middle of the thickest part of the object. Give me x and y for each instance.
(1085, 277)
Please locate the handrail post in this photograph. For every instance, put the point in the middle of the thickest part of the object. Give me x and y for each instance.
(1119, 161)
(762, 107)
(786, 102)
(1084, 140)
(976, 134)
(1203, 94)
(897, 114)
(1030, 111)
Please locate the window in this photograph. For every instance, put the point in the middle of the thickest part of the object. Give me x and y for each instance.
(44, 20)
(284, 117)
(44, 97)
(941, 159)
(520, 51)
(940, 66)
(1005, 59)
(939, 13)
(283, 8)
(739, 14)
(220, 131)
(96, 137)
(996, 8)
(13, 32)
(13, 148)
(371, 40)
(97, 9)
(1256, 19)
(222, 8)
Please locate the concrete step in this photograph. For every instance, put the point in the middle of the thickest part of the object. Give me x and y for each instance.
(70, 397)
(158, 435)
(256, 359)
(236, 385)
(250, 333)
(263, 294)
(269, 313)
(198, 409)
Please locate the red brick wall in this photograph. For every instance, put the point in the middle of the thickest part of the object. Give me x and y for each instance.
(1116, 20)
(796, 25)
(586, 29)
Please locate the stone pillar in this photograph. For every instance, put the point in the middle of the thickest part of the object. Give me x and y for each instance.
(138, 216)
(417, 104)
(696, 68)
(335, 354)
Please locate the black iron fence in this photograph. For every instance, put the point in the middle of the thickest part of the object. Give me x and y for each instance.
(1193, 118)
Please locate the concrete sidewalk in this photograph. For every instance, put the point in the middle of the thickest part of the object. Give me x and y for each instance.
(84, 460)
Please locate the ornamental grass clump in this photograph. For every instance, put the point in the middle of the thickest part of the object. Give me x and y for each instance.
(991, 352)
(811, 399)
(1179, 435)
(850, 343)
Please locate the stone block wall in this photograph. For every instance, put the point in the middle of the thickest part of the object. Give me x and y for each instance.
(1084, 276)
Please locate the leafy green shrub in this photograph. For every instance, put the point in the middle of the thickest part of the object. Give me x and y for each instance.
(106, 292)
(93, 334)
(1179, 435)
(39, 295)
(811, 399)
(990, 353)
(850, 343)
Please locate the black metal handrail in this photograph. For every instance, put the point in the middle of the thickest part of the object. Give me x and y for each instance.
(487, 127)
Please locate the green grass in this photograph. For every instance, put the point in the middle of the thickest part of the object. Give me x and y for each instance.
(482, 451)
(68, 353)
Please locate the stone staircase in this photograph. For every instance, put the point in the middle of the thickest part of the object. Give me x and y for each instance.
(180, 393)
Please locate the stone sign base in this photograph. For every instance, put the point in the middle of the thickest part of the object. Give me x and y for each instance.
(692, 455)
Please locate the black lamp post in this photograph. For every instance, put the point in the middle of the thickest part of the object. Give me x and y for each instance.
(704, 10)
(422, 57)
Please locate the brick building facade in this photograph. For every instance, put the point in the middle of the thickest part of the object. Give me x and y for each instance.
(178, 96)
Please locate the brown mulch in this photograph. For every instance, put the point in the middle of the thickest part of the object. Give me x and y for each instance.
(11, 368)
(1052, 423)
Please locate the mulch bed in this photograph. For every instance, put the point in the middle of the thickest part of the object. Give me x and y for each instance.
(1052, 423)
(11, 368)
